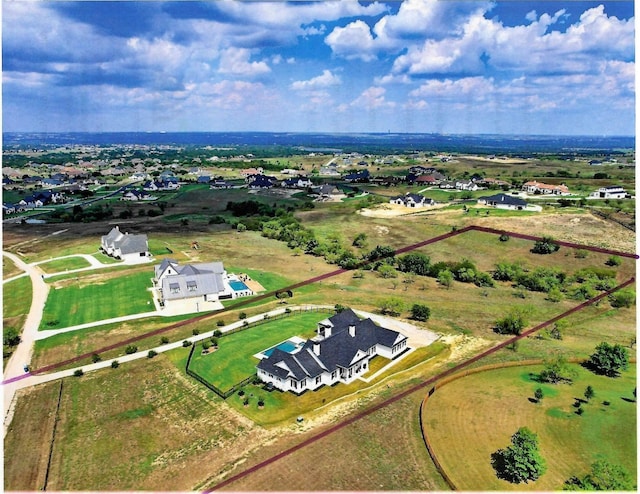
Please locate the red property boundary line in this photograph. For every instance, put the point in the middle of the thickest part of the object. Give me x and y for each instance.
(309, 281)
(415, 388)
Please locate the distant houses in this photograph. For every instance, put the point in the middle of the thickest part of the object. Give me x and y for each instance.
(125, 246)
(340, 353)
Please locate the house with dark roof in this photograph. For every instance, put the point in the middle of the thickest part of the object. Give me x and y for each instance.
(125, 246)
(410, 200)
(504, 201)
(340, 353)
(358, 176)
(261, 182)
(137, 195)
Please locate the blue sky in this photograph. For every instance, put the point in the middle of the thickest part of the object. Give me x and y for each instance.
(517, 67)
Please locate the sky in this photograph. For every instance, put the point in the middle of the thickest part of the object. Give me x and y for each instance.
(432, 66)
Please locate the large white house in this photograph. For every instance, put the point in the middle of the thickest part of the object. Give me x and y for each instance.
(125, 246)
(340, 353)
(504, 201)
(410, 200)
(195, 286)
(610, 192)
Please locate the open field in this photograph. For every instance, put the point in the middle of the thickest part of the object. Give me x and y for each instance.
(67, 264)
(490, 406)
(157, 429)
(16, 302)
(9, 269)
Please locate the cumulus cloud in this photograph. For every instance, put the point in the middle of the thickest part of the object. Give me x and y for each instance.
(352, 41)
(326, 79)
(236, 61)
(371, 98)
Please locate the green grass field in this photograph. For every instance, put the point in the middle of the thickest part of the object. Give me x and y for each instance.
(16, 302)
(67, 264)
(94, 301)
(490, 406)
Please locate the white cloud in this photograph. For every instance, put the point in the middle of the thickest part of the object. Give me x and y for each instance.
(236, 61)
(371, 98)
(326, 79)
(352, 41)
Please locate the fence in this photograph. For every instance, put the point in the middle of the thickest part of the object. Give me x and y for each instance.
(268, 318)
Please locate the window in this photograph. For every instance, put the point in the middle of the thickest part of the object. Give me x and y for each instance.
(174, 288)
(318, 379)
(192, 286)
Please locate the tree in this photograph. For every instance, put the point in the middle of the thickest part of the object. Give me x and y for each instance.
(360, 240)
(555, 370)
(609, 360)
(414, 263)
(545, 246)
(520, 462)
(538, 395)
(420, 312)
(445, 278)
(386, 271)
(392, 306)
(10, 337)
(130, 349)
(604, 476)
(589, 393)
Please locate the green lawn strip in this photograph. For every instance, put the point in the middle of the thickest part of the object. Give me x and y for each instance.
(498, 402)
(80, 304)
(234, 361)
(63, 346)
(16, 302)
(78, 277)
(66, 264)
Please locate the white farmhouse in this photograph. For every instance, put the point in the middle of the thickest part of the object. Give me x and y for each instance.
(610, 192)
(125, 246)
(339, 354)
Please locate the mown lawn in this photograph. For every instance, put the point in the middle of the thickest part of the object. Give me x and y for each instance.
(87, 302)
(66, 264)
(468, 419)
(16, 302)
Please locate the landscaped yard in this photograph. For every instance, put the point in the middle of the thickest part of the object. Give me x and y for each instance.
(234, 361)
(91, 300)
(468, 419)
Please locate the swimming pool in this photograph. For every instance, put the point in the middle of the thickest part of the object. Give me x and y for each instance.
(286, 346)
(238, 286)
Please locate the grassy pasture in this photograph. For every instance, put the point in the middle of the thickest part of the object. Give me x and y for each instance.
(9, 269)
(94, 300)
(490, 406)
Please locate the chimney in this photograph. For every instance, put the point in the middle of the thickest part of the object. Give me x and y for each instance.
(316, 348)
(352, 331)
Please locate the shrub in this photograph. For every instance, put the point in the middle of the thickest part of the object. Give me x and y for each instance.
(10, 337)
(195, 332)
(130, 349)
(242, 315)
(420, 312)
(504, 237)
(115, 364)
(78, 372)
(217, 333)
(214, 341)
(545, 246)
(220, 322)
(581, 253)
(95, 358)
(622, 298)
(512, 323)
(614, 261)
(245, 324)
(186, 343)
(152, 353)
(206, 345)
(164, 340)
(241, 392)
(260, 402)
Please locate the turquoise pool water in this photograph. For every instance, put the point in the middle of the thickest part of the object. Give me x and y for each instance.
(285, 346)
(238, 286)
